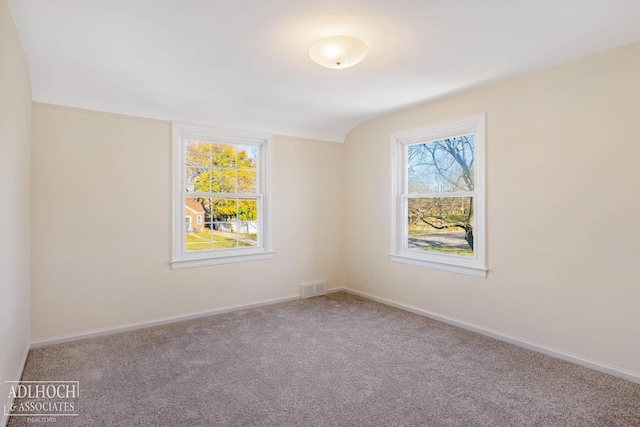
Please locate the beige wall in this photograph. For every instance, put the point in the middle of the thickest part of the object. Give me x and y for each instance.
(563, 162)
(563, 198)
(96, 265)
(15, 145)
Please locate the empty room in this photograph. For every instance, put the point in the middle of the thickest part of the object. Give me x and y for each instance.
(305, 213)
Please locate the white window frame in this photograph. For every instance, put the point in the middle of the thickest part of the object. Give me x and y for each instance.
(475, 265)
(263, 141)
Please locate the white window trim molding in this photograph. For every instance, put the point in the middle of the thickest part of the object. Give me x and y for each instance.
(180, 257)
(476, 265)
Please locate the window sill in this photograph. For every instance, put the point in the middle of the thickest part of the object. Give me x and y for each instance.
(454, 267)
(224, 259)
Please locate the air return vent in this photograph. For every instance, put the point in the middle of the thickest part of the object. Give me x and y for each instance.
(309, 290)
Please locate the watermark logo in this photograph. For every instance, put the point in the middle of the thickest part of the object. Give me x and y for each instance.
(42, 400)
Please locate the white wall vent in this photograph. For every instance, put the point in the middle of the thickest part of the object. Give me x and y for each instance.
(315, 289)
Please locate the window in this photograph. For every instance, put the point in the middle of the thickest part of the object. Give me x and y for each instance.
(438, 201)
(221, 195)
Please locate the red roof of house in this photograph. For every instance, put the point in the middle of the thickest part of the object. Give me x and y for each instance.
(194, 205)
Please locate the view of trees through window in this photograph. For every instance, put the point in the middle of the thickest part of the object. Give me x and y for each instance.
(223, 211)
(440, 185)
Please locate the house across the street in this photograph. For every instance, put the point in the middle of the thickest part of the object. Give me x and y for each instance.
(194, 216)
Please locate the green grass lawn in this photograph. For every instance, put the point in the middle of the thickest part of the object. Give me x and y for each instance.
(202, 241)
(451, 250)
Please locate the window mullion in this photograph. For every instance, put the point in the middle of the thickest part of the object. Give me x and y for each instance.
(210, 169)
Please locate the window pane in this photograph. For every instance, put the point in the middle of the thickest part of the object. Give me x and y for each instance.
(247, 233)
(247, 181)
(197, 153)
(441, 224)
(224, 210)
(194, 208)
(245, 229)
(247, 157)
(198, 240)
(197, 179)
(247, 210)
(441, 166)
(198, 231)
(223, 235)
(223, 180)
(223, 156)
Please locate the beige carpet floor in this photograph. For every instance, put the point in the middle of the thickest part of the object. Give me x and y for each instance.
(337, 360)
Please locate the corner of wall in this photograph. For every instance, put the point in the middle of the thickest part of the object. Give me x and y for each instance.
(15, 160)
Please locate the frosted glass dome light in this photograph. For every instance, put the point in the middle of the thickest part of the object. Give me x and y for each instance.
(338, 51)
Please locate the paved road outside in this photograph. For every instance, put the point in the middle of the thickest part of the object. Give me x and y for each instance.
(449, 239)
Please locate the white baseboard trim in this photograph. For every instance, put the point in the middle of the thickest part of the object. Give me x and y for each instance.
(5, 418)
(529, 345)
(158, 322)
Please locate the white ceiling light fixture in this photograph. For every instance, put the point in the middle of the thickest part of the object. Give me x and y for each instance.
(338, 51)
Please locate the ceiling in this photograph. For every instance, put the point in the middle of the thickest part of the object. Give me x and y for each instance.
(245, 64)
